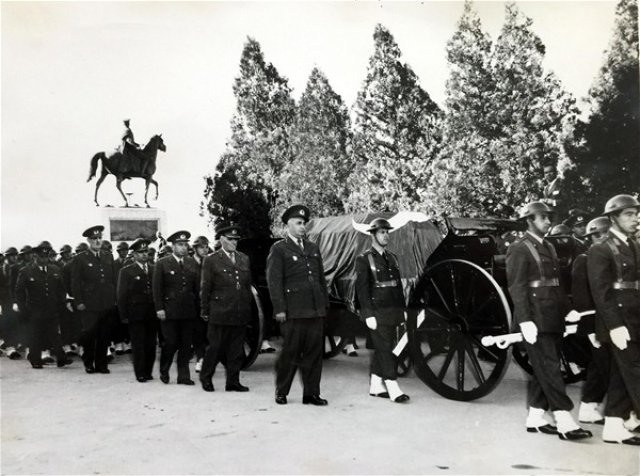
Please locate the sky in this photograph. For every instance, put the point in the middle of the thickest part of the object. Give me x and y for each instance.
(72, 71)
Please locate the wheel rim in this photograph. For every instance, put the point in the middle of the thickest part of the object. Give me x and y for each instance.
(255, 330)
(454, 305)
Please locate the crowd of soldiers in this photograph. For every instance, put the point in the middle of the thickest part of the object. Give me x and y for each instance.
(198, 304)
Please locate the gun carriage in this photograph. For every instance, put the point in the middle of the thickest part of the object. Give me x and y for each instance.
(454, 279)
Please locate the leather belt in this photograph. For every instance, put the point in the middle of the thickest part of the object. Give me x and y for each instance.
(386, 284)
(627, 285)
(544, 283)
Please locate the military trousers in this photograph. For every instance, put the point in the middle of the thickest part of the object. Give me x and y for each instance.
(13, 327)
(226, 344)
(624, 383)
(178, 337)
(43, 335)
(302, 348)
(546, 387)
(95, 338)
(595, 386)
(143, 343)
(383, 361)
(200, 340)
(70, 327)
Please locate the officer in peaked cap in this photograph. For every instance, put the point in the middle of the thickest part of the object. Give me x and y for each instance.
(226, 306)
(200, 251)
(613, 267)
(40, 292)
(176, 286)
(93, 285)
(540, 307)
(577, 220)
(135, 303)
(382, 304)
(298, 289)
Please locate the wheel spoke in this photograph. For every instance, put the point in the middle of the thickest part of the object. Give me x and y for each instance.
(485, 349)
(460, 373)
(441, 296)
(471, 293)
(454, 290)
(445, 365)
(475, 365)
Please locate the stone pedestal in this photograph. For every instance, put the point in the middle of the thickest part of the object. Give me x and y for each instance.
(129, 224)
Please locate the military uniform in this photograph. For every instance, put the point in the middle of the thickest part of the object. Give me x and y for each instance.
(226, 300)
(613, 267)
(200, 327)
(175, 291)
(10, 320)
(93, 284)
(297, 287)
(136, 307)
(534, 285)
(380, 295)
(40, 294)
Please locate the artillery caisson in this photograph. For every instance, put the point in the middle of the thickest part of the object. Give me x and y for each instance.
(454, 279)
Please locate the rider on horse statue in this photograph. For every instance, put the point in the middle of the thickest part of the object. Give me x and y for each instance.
(130, 148)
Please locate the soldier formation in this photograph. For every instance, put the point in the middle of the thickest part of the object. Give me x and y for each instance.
(199, 305)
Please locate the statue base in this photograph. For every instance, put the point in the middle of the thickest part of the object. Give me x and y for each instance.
(129, 224)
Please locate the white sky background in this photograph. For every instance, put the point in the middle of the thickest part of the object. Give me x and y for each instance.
(72, 71)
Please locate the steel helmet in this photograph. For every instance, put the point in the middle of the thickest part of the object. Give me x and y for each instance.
(598, 225)
(379, 224)
(532, 208)
(619, 203)
(560, 230)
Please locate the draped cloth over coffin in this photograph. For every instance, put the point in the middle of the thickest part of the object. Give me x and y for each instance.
(340, 244)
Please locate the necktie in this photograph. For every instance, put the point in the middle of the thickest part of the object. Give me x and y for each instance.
(233, 257)
(300, 244)
(180, 261)
(146, 270)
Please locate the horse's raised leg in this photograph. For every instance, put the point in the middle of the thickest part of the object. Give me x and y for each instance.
(156, 184)
(119, 180)
(98, 183)
(146, 191)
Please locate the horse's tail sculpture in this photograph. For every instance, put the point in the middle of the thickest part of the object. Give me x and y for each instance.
(94, 165)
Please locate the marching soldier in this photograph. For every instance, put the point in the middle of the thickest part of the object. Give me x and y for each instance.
(595, 386)
(94, 293)
(175, 292)
(10, 318)
(614, 266)
(298, 290)
(540, 306)
(201, 249)
(382, 304)
(40, 295)
(119, 330)
(226, 305)
(135, 304)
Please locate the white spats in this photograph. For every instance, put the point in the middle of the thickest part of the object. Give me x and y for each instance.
(565, 421)
(614, 430)
(395, 394)
(589, 413)
(535, 418)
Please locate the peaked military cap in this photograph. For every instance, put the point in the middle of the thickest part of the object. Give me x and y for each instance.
(141, 245)
(93, 232)
(43, 247)
(229, 229)
(26, 249)
(122, 246)
(82, 247)
(296, 211)
(576, 217)
(11, 251)
(179, 236)
(66, 249)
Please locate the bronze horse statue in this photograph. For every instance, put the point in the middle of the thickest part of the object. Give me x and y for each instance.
(142, 165)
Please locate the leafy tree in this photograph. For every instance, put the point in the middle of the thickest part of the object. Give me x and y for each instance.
(321, 162)
(607, 145)
(396, 133)
(258, 149)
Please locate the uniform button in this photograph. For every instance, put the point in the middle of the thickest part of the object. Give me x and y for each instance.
(309, 272)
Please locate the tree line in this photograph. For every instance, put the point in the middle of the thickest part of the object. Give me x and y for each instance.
(504, 119)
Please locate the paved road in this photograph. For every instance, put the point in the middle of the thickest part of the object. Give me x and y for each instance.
(63, 421)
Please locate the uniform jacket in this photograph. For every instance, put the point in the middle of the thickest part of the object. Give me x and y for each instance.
(135, 293)
(40, 293)
(296, 280)
(386, 304)
(614, 307)
(225, 292)
(545, 306)
(93, 281)
(176, 288)
(5, 284)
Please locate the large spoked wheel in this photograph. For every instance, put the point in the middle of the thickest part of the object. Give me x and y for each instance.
(574, 358)
(255, 331)
(455, 304)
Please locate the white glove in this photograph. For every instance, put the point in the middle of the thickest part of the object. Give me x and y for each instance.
(594, 341)
(620, 336)
(161, 315)
(371, 323)
(529, 331)
(15, 307)
(69, 307)
(573, 316)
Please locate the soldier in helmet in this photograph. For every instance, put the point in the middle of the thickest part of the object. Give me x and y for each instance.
(119, 330)
(93, 286)
(613, 266)
(540, 305)
(176, 285)
(597, 381)
(382, 306)
(40, 294)
(200, 251)
(298, 289)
